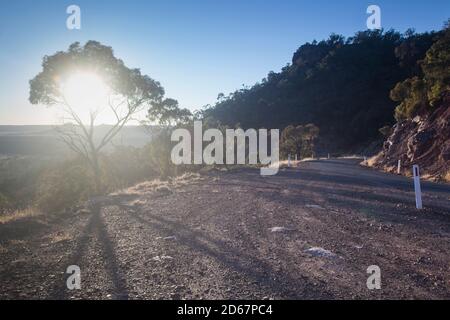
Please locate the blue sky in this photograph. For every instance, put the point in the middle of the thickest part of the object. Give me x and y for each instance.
(195, 48)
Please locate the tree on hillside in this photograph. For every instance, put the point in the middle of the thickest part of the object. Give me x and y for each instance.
(422, 93)
(436, 68)
(169, 116)
(86, 83)
(167, 112)
(412, 49)
(299, 140)
(310, 135)
(291, 140)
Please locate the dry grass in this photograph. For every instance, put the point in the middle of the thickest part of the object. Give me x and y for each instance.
(58, 237)
(186, 178)
(3, 250)
(285, 164)
(19, 214)
(373, 160)
(447, 176)
(142, 188)
(351, 157)
(161, 186)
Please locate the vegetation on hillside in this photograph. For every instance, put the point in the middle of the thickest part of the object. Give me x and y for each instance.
(341, 85)
(423, 92)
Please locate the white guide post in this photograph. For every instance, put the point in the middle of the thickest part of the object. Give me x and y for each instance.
(399, 167)
(296, 157)
(417, 189)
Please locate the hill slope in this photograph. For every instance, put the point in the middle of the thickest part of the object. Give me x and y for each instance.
(422, 134)
(341, 85)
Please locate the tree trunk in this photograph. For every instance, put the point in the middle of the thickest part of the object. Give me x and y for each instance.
(97, 173)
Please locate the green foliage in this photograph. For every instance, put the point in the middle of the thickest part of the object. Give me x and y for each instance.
(291, 142)
(436, 68)
(167, 112)
(94, 57)
(298, 140)
(412, 96)
(341, 85)
(422, 93)
(412, 49)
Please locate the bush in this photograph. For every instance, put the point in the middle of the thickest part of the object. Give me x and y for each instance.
(125, 166)
(63, 186)
(4, 202)
(424, 93)
(71, 182)
(158, 153)
(412, 96)
(18, 180)
(299, 140)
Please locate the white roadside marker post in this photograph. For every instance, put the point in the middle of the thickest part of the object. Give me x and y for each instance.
(417, 188)
(296, 158)
(399, 167)
(289, 161)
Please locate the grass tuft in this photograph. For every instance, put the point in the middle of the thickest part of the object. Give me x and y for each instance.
(19, 214)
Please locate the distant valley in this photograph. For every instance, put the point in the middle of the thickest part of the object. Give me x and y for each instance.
(43, 140)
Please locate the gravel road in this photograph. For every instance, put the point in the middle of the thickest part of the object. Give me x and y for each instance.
(310, 232)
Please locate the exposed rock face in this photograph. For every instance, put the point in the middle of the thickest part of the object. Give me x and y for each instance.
(424, 140)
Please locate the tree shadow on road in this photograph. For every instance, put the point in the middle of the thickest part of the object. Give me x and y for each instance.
(95, 230)
(254, 269)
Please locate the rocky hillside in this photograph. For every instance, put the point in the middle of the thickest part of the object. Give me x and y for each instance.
(423, 140)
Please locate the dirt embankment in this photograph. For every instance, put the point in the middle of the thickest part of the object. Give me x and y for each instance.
(424, 140)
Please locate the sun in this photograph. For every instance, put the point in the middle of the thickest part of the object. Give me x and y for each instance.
(85, 91)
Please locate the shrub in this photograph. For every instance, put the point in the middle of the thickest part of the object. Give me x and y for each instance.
(158, 152)
(4, 202)
(424, 93)
(63, 186)
(125, 166)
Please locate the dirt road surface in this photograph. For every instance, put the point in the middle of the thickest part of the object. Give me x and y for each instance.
(310, 232)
